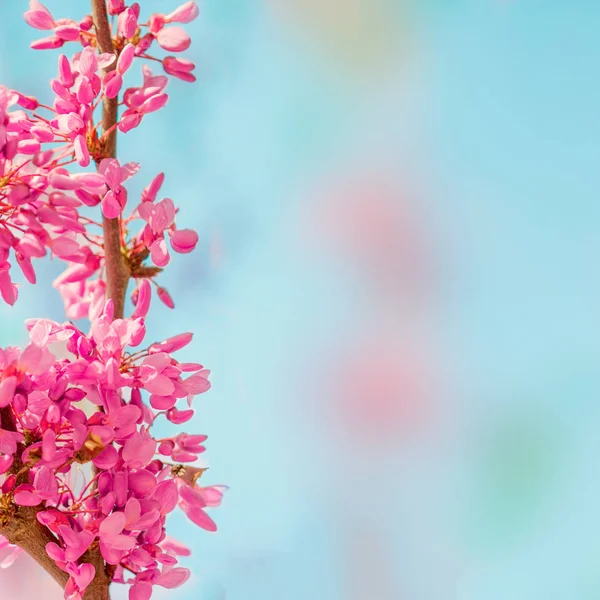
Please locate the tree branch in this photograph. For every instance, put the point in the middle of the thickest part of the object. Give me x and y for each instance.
(117, 271)
(24, 530)
(19, 524)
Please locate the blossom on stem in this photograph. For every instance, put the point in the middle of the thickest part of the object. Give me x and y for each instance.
(115, 507)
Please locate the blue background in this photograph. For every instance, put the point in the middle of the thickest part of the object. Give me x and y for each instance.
(495, 105)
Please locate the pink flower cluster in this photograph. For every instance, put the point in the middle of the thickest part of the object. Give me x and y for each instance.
(131, 481)
(159, 28)
(40, 197)
(77, 410)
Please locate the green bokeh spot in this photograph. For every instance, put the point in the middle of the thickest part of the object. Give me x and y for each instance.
(512, 474)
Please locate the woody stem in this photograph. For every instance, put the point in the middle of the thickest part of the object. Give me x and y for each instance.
(117, 270)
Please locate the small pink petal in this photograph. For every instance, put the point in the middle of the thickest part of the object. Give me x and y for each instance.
(160, 384)
(198, 517)
(179, 416)
(183, 14)
(129, 121)
(196, 384)
(25, 495)
(113, 83)
(122, 542)
(106, 59)
(143, 300)
(111, 208)
(162, 402)
(69, 33)
(173, 578)
(81, 151)
(7, 390)
(150, 192)
(141, 590)
(115, 7)
(48, 43)
(139, 450)
(107, 459)
(172, 344)
(127, 23)
(125, 58)
(159, 253)
(113, 525)
(88, 63)
(179, 67)
(153, 103)
(6, 462)
(173, 39)
(183, 240)
(166, 495)
(142, 482)
(26, 267)
(56, 553)
(165, 297)
(39, 18)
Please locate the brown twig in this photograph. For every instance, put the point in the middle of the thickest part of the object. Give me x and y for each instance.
(24, 530)
(117, 271)
(19, 524)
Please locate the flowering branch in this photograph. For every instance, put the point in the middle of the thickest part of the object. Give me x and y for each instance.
(88, 495)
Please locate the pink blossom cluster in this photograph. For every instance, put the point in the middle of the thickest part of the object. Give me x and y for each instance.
(77, 410)
(133, 480)
(40, 197)
(159, 28)
(84, 296)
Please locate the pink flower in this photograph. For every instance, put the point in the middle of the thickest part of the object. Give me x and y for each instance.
(115, 175)
(115, 7)
(80, 578)
(153, 374)
(45, 484)
(183, 240)
(127, 22)
(179, 67)
(114, 79)
(143, 100)
(192, 504)
(38, 16)
(75, 543)
(111, 535)
(159, 216)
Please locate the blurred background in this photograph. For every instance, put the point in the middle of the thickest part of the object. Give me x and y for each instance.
(395, 290)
